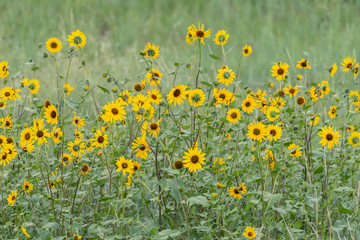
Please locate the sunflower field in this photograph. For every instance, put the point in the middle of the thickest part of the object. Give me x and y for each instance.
(185, 151)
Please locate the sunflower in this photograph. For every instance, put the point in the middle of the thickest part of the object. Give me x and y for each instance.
(300, 101)
(154, 128)
(257, 131)
(332, 70)
(295, 151)
(196, 97)
(280, 70)
(151, 51)
(228, 136)
(225, 75)
(189, 37)
(278, 102)
(66, 159)
(67, 88)
(78, 133)
(332, 112)
(233, 115)
(178, 164)
(2, 140)
(77, 237)
(347, 64)
(248, 105)
(4, 69)
(76, 147)
(12, 197)
(38, 122)
(177, 94)
(125, 165)
(198, 33)
(27, 147)
(329, 137)
(2, 104)
(193, 158)
(153, 77)
(223, 96)
(51, 114)
(100, 140)
(125, 97)
(348, 129)
(274, 132)
(136, 167)
(272, 113)
(85, 169)
(53, 45)
(303, 64)
(269, 156)
(27, 186)
(247, 50)
(314, 119)
(354, 139)
(113, 112)
(141, 147)
(34, 86)
(291, 91)
(221, 37)
(154, 96)
(9, 93)
(25, 232)
(356, 70)
(234, 191)
(78, 122)
(56, 133)
(249, 232)
(6, 122)
(40, 135)
(77, 39)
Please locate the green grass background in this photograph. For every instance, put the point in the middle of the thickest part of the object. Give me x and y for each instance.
(322, 31)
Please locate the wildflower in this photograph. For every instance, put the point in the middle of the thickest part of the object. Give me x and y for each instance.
(34, 86)
(27, 186)
(247, 50)
(193, 158)
(303, 64)
(153, 77)
(196, 97)
(223, 96)
(280, 70)
(176, 95)
(354, 139)
(77, 237)
(347, 64)
(295, 151)
(257, 131)
(272, 113)
(356, 70)
(274, 132)
(329, 137)
(76, 147)
(233, 115)
(125, 165)
(314, 120)
(66, 159)
(250, 232)
(332, 112)
(100, 140)
(9, 93)
(77, 39)
(40, 135)
(12, 197)
(248, 105)
(291, 91)
(154, 96)
(221, 37)
(78, 122)
(154, 128)
(136, 167)
(68, 88)
(300, 101)
(25, 232)
(6, 122)
(225, 75)
(151, 51)
(198, 33)
(332, 70)
(51, 114)
(350, 128)
(228, 136)
(85, 169)
(53, 45)
(4, 69)
(178, 164)
(113, 112)
(237, 191)
(141, 147)
(270, 157)
(299, 77)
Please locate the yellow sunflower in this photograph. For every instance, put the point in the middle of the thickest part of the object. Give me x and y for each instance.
(40, 135)
(272, 113)
(295, 150)
(51, 114)
(27, 135)
(303, 64)
(177, 94)
(78, 122)
(154, 96)
(347, 64)
(153, 77)
(66, 159)
(198, 33)
(280, 70)
(196, 97)
(76, 147)
(85, 169)
(300, 101)
(314, 120)
(125, 165)
(349, 129)
(53, 45)
(9, 93)
(4, 69)
(100, 139)
(221, 37)
(77, 39)
(269, 156)
(257, 131)
(27, 186)
(332, 112)
(249, 232)
(329, 136)
(332, 70)
(248, 105)
(6, 122)
(56, 133)
(225, 75)
(233, 115)
(354, 139)
(234, 191)
(67, 88)
(279, 102)
(274, 132)
(136, 167)
(151, 51)
(291, 91)
(247, 50)
(34, 86)
(223, 96)
(12, 197)
(141, 147)
(356, 70)
(154, 128)
(113, 112)
(193, 158)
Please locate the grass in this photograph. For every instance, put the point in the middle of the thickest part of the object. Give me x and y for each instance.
(118, 30)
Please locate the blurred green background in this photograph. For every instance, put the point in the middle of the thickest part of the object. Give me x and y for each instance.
(322, 31)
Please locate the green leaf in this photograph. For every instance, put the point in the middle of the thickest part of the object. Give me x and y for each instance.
(103, 89)
(35, 68)
(168, 233)
(344, 210)
(215, 57)
(199, 200)
(206, 84)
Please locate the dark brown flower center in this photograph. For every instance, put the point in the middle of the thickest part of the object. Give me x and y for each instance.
(65, 159)
(176, 93)
(142, 148)
(194, 159)
(47, 104)
(153, 96)
(53, 114)
(247, 104)
(233, 115)
(293, 152)
(40, 134)
(13, 198)
(7, 94)
(280, 71)
(76, 121)
(53, 45)
(281, 93)
(138, 87)
(115, 111)
(292, 90)
(136, 168)
(222, 96)
(9, 140)
(84, 168)
(7, 123)
(329, 137)
(179, 164)
(200, 33)
(26, 186)
(236, 191)
(273, 132)
(304, 64)
(349, 65)
(153, 126)
(100, 139)
(246, 51)
(124, 165)
(27, 136)
(300, 100)
(256, 131)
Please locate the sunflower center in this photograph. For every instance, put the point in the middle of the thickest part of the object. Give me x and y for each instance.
(222, 96)
(40, 134)
(76, 148)
(349, 65)
(26, 186)
(273, 132)
(124, 165)
(221, 38)
(7, 94)
(194, 159)
(247, 104)
(65, 159)
(153, 96)
(13, 198)
(329, 137)
(7, 123)
(53, 114)
(136, 168)
(250, 234)
(77, 40)
(47, 104)
(304, 64)
(156, 76)
(281, 93)
(100, 139)
(236, 191)
(246, 50)
(226, 75)
(76, 121)
(114, 111)
(280, 71)
(256, 131)
(196, 98)
(56, 135)
(178, 164)
(9, 140)
(3, 157)
(84, 168)
(176, 93)
(142, 148)
(76, 238)
(53, 45)
(292, 91)
(4, 69)
(151, 52)
(355, 140)
(153, 126)
(32, 86)
(138, 87)
(200, 34)
(300, 100)
(293, 152)
(273, 114)
(233, 115)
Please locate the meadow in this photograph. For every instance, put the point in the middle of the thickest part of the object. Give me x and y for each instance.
(179, 120)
